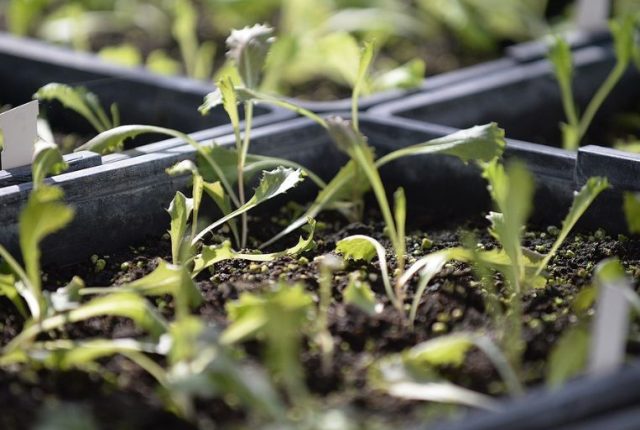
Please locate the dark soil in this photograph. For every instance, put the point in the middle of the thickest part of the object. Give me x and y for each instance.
(126, 396)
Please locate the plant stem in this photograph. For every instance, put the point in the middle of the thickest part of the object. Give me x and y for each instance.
(325, 339)
(600, 96)
(242, 157)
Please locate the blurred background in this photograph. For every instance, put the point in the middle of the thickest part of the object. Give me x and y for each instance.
(316, 51)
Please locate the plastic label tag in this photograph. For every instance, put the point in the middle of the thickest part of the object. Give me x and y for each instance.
(592, 14)
(610, 328)
(19, 132)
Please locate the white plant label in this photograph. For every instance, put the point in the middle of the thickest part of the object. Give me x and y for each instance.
(610, 328)
(592, 14)
(19, 130)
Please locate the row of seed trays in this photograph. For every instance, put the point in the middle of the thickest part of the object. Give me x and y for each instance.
(408, 266)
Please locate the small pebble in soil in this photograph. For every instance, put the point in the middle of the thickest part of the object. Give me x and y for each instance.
(439, 327)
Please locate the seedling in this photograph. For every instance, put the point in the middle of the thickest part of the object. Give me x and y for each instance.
(574, 130)
(83, 102)
(481, 143)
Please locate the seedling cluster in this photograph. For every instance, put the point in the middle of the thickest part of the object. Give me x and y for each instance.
(251, 356)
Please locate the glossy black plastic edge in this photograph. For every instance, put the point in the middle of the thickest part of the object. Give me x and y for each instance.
(148, 96)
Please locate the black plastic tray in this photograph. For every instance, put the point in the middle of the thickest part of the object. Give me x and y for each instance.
(605, 402)
(143, 97)
(524, 99)
(122, 202)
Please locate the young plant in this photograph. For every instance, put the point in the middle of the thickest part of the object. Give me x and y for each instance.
(83, 102)
(248, 49)
(279, 317)
(44, 214)
(512, 192)
(413, 374)
(197, 58)
(482, 143)
(574, 130)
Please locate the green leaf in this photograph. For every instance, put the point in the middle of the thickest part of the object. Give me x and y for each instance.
(169, 279)
(581, 202)
(216, 253)
(126, 54)
(512, 191)
(568, 356)
(67, 354)
(356, 248)
(113, 140)
(560, 56)
(272, 184)
(8, 289)
(184, 29)
(67, 297)
(21, 15)
(279, 317)
(480, 143)
(44, 214)
(632, 211)
(360, 247)
(406, 76)
(359, 294)
(79, 100)
(122, 304)
(293, 301)
(428, 267)
(352, 142)
(225, 95)
(47, 159)
(158, 61)
(348, 184)
(180, 210)
(622, 31)
(449, 350)
(366, 56)
(391, 375)
(248, 48)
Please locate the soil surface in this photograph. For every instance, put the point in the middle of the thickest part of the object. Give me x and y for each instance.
(123, 396)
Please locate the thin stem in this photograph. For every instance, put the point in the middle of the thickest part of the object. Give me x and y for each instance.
(242, 157)
(264, 98)
(600, 96)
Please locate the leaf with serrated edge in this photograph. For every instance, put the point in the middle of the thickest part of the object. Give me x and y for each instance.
(77, 99)
(581, 202)
(272, 184)
(214, 254)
